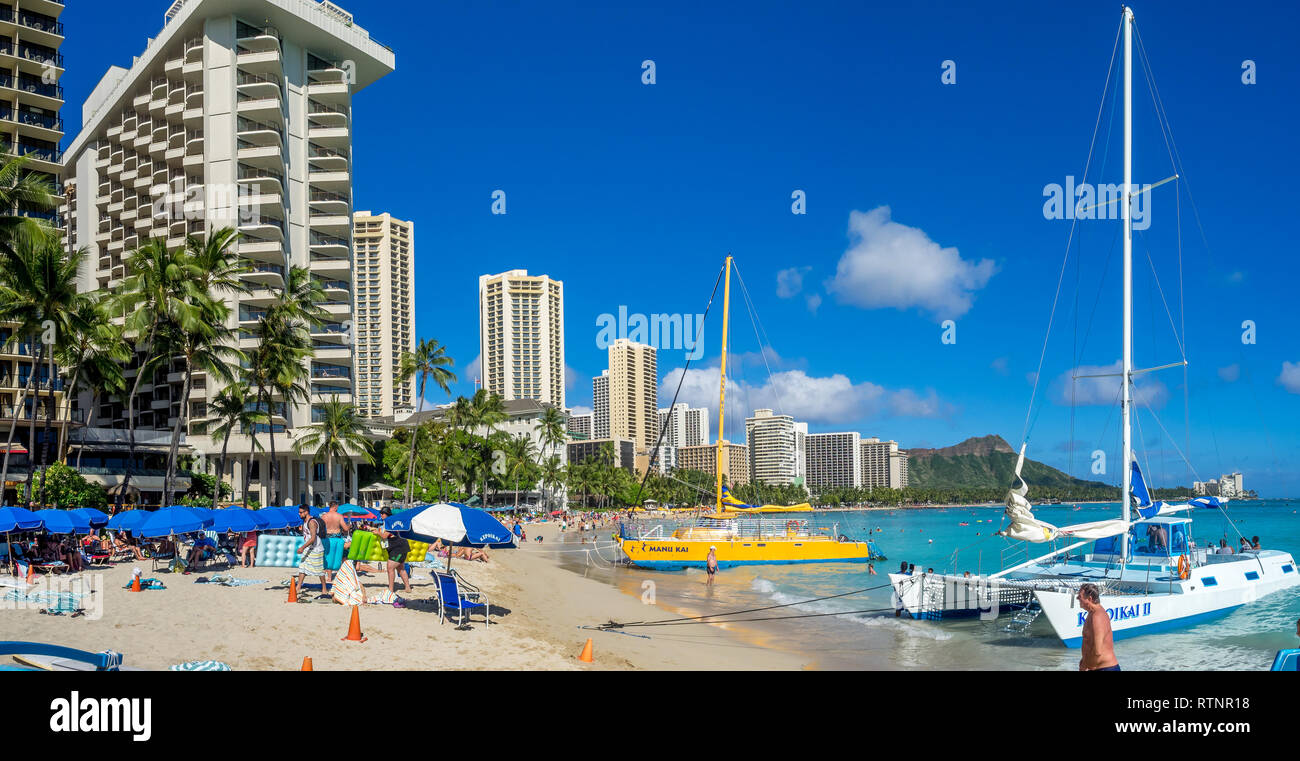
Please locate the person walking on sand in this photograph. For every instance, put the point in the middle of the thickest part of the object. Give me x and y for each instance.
(312, 549)
(711, 565)
(1098, 639)
(398, 548)
(335, 525)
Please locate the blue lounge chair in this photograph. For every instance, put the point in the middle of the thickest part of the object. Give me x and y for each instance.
(456, 594)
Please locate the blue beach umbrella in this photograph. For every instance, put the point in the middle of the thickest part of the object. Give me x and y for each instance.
(204, 514)
(96, 518)
(169, 521)
(18, 519)
(272, 519)
(63, 521)
(451, 522)
(236, 519)
(128, 521)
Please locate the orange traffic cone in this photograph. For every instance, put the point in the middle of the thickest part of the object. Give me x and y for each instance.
(306, 663)
(586, 652)
(135, 583)
(354, 628)
(293, 590)
(31, 574)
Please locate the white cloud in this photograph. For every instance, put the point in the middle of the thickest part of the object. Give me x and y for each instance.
(1105, 391)
(472, 370)
(832, 399)
(1230, 373)
(814, 300)
(999, 365)
(892, 265)
(790, 281)
(571, 378)
(1290, 377)
(579, 409)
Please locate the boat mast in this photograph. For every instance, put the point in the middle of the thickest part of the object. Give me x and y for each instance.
(722, 387)
(1127, 211)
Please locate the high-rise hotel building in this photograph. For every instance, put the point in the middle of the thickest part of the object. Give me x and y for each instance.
(384, 316)
(776, 448)
(884, 465)
(600, 405)
(238, 113)
(684, 426)
(833, 460)
(30, 125)
(521, 336)
(634, 393)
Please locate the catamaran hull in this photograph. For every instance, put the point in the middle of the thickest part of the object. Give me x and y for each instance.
(1191, 602)
(677, 555)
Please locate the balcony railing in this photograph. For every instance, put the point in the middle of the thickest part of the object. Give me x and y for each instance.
(39, 55)
(330, 371)
(37, 21)
(325, 195)
(248, 78)
(28, 84)
(254, 173)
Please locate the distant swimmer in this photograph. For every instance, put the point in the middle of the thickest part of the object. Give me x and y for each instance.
(711, 565)
(871, 569)
(1098, 639)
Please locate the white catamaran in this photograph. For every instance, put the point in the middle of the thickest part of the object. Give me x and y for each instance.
(1151, 573)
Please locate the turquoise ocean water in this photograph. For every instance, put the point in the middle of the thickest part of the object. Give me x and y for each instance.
(1243, 640)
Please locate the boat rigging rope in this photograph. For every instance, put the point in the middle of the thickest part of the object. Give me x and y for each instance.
(1101, 107)
(705, 619)
(654, 454)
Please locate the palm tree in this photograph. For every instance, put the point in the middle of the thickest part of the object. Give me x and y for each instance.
(208, 345)
(551, 432)
(429, 359)
(233, 412)
(20, 188)
(279, 363)
(337, 430)
(522, 453)
(553, 473)
(40, 295)
(156, 294)
(92, 360)
(487, 411)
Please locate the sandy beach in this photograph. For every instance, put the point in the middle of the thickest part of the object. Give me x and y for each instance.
(537, 608)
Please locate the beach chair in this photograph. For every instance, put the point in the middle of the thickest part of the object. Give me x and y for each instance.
(163, 559)
(456, 594)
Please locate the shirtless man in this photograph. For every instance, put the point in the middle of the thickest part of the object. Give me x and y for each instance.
(335, 525)
(1098, 640)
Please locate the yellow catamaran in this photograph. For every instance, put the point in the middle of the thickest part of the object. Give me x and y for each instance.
(737, 532)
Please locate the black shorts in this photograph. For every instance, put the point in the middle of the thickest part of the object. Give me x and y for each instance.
(397, 557)
(711, 571)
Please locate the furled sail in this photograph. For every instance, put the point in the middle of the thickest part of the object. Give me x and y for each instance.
(1025, 527)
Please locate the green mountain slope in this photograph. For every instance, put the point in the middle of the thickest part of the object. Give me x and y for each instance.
(982, 463)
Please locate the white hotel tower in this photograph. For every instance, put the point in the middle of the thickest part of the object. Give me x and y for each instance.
(239, 113)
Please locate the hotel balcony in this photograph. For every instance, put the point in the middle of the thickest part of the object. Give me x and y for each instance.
(328, 85)
(258, 49)
(263, 227)
(38, 92)
(262, 250)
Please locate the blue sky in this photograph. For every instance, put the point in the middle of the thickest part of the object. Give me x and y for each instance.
(924, 202)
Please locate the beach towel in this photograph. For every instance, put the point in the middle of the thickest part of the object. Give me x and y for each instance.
(313, 564)
(147, 584)
(347, 587)
(200, 666)
(384, 597)
(227, 580)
